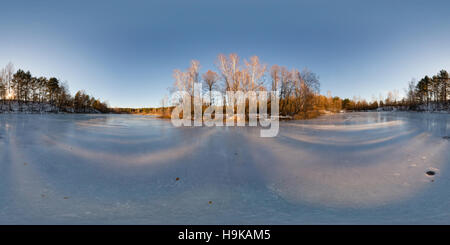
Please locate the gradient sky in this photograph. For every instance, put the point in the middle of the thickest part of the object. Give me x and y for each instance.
(125, 51)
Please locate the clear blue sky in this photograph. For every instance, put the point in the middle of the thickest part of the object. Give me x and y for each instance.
(125, 51)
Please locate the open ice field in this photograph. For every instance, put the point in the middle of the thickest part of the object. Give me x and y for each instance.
(355, 168)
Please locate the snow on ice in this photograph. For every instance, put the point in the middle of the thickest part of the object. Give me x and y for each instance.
(349, 168)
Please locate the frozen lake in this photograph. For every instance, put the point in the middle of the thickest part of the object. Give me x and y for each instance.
(354, 168)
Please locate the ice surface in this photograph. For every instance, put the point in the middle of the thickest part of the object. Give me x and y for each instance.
(355, 168)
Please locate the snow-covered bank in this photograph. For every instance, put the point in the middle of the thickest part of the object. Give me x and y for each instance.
(349, 168)
(432, 107)
(35, 107)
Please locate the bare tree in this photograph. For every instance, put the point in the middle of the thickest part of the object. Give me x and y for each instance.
(210, 79)
(164, 103)
(193, 72)
(9, 72)
(184, 81)
(311, 80)
(256, 71)
(410, 92)
(275, 74)
(285, 90)
(3, 87)
(230, 71)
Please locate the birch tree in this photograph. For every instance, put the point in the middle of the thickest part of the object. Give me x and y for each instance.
(256, 72)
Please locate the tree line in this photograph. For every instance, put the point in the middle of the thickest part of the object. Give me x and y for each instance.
(23, 88)
(427, 94)
(431, 91)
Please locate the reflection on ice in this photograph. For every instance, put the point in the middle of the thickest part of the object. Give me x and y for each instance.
(355, 140)
(175, 152)
(349, 127)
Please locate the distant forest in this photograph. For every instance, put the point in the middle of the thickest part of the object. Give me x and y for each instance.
(299, 91)
(428, 94)
(21, 91)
